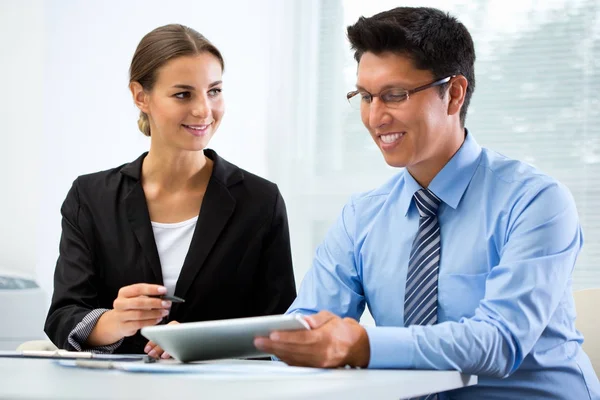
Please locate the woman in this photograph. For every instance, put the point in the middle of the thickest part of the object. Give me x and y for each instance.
(179, 220)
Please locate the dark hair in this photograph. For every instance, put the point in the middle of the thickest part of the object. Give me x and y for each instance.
(157, 48)
(434, 40)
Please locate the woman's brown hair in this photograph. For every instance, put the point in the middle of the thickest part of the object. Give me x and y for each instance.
(160, 46)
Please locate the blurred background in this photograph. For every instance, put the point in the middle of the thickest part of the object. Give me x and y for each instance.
(65, 108)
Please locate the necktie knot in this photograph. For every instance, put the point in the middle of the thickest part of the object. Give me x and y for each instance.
(427, 203)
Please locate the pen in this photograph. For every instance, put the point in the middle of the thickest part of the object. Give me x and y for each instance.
(76, 355)
(173, 299)
(106, 364)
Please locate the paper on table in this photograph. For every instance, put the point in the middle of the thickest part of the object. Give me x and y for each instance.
(204, 368)
(72, 355)
(46, 354)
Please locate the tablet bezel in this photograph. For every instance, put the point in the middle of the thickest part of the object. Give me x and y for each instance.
(228, 338)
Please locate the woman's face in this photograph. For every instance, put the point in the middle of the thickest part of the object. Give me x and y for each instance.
(185, 106)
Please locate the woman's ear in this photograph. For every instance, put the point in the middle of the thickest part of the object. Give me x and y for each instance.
(140, 97)
(457, 92)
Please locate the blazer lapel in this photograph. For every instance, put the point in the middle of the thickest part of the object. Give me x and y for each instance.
(139, 217)
(217, 207)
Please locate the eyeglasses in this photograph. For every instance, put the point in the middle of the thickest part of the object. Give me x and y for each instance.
(391, 97)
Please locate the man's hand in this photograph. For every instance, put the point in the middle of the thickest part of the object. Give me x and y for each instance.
(332, 342)
(154, 350)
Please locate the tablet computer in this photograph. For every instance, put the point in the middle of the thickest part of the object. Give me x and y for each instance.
(229, 338)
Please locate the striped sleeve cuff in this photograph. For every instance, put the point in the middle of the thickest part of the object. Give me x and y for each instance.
(81, 332)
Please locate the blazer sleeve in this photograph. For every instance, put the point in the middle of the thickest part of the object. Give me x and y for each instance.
(276, 285)
(75, 279)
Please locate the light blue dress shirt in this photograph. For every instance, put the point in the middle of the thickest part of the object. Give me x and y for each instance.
(510, 236)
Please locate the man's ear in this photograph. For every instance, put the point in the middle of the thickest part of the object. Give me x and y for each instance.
(140, 97)
(457, 92)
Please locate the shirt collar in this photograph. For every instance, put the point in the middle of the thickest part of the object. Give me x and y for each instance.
(451, 182)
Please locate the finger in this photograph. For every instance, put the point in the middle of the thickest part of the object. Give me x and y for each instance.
(304, 358)
(264, 344)
(140, 315)
(317, 320)
(131, 327)
(152, 349)
(166, 355)
(272, 347)
(291, 354)
(156, 352)
(149, 347)
(140, 303)
(299, 360)
(142, 289)
(296, 337)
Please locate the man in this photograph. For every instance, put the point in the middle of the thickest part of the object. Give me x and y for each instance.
(464, 258)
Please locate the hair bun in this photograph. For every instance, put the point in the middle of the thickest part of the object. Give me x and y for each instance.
(144, 124)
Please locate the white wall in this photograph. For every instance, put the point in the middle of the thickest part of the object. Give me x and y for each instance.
(21, 131)
(68, 110)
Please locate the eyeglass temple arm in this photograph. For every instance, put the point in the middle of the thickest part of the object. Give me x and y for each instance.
(432, 84)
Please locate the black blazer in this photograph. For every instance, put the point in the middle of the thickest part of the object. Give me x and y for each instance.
(239, 263)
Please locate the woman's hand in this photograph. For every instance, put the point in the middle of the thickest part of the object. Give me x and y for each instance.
(132, 310)
(154, 350)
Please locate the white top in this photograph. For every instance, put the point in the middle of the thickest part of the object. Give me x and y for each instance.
(173, 242)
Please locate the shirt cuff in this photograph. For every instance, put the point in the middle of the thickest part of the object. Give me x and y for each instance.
(81, 332)
(391, 347)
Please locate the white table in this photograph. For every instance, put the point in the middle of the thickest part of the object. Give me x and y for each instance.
(43, 379)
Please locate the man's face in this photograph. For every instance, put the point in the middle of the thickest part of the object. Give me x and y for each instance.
(412, 133)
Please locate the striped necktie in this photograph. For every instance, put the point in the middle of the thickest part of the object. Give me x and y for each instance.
(420, 300)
